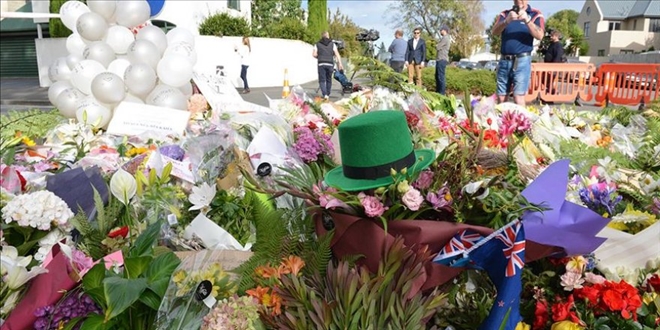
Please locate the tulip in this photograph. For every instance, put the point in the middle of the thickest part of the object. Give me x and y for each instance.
(123, 186)
(566, 325)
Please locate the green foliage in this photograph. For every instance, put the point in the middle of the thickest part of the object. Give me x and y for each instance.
(223, 24)
(466, 309)
(56, 28)
(431, 42)
(342, 27)
(477, 82)
(495, 40)
(584, 157)
(271, 15)
(30, 123)
(94, 234)
(565, 21)
(281, 233)
(317, 21)
(289, 28)
(233, 214)
(353, 298)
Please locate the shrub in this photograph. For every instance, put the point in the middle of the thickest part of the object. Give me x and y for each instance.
(289, 28)
(56, 28)
(223, 24)
(458, 80)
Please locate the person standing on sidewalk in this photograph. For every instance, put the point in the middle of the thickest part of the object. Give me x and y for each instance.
(442, 59)
(325, 51)
(519, 27)
(398, 49)
(416, 56)
(244, 51)
(554, 54)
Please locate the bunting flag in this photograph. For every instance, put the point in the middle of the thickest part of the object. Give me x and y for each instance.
(502, 255)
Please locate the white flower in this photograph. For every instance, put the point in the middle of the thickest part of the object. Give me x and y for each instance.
(572, 280)
(15, 273)
(648, 184)
(39, 210)
(202, 197)
(474, 187)
(47, 242)
(123, 186)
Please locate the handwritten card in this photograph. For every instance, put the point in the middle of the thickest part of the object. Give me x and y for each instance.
(134, 119)
(180, 169)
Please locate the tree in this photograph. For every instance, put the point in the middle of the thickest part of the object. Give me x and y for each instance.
(56, 28)
(317, 21)
(495, 40)
(462, 16)
(342, 27)
(565, 21)
(223, 24)
(275, 15)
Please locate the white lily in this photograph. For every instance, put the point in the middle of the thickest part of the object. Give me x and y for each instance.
(15, 273)
(123, 186)
(202, 196)
(10, 259)
(473, 187)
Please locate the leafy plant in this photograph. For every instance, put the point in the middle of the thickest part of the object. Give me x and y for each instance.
(131, 297)
(477, 82)
(352, 298)
(94, 233)
(469, 299)
(156, 195)
(233, 213)
(289, 28)
(223, 24)
(56, 28)
(30, 123)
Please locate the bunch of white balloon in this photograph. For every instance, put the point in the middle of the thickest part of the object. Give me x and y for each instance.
(108, 63)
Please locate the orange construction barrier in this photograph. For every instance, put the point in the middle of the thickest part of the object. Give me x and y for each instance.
(627, 83)
(560, 82)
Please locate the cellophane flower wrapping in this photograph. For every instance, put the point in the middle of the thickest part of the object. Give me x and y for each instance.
(185, 304)
(210, 152)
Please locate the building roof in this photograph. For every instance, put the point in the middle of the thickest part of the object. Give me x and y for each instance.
(12, 24)
(620, 10)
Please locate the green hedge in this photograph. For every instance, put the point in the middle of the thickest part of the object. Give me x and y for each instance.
(223, 24)
(458, 80)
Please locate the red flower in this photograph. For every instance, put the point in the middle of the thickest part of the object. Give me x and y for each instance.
(336, 122)
(312, 126)
(411, 118)
(491, 138)
(489, 121)
(621, 297)
(654, 282)
(122, 231)
(474, 128)
(589, 293)
(562, 311)
(541, 315)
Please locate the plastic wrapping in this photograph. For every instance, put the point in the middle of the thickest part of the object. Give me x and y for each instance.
(628, 139)
(210, 153)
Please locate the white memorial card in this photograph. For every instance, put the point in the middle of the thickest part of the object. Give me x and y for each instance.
(135, 118)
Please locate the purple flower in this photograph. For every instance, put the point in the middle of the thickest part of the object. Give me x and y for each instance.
(655, 207)
(74, 304)
(441, 199)
(309, 145)
(424, 180)
(172, 151)
(598, 199)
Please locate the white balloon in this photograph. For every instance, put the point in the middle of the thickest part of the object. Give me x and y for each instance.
(167, 97)
(75, 44)
(67, 102)
(73, 59)
(180, 34)
(130, 13)
(83, 74)
(59, 70)
(91, 26)
(140, 79)
(70, 12)
(143, 51)
(186, 89)
(91, 111)
(109, 88)
(56, 89)
(105, 8)
(184, 49)
(101, 52)
(174, 70)
(155, 35)
(133, 99)
(119, 38)
(119, 67)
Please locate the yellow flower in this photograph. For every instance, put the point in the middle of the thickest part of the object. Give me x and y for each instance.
(522, 326)
(179, 277)
(135, 151)
(566, 325)
(403, 187)
(617, 225)
(576, 264)
(649, 297)
(28, 142)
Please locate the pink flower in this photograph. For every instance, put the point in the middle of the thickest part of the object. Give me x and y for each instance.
(197, 103)
(424, 180)
(441, 199)
(372, 205)
(326, 200)
(572, 280)
(412, 199)
(593, 278)
(513, 122)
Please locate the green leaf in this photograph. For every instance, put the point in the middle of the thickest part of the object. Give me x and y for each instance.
(160, 270)
(72, 323)
(96, 322)
(121, 293)
(94, 277)
(144, 243)
(134, 267)
(151, 299)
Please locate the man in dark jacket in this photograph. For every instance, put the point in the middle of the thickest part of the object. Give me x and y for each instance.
(554, 54)
(416, 56)
(325, 51)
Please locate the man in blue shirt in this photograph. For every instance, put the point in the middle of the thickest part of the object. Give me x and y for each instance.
(398, 49)
(519, 27)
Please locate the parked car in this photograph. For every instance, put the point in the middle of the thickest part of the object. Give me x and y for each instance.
(474, 66)
(491, 65)
(463, 64)
(431, 63)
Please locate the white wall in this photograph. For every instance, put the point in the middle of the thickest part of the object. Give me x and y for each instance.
(48, 50)
(189, 14)
(269, 58)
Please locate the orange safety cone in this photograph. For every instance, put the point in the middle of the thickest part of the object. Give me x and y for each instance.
(286, 90)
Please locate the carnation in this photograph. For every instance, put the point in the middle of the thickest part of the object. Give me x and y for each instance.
(39, 210)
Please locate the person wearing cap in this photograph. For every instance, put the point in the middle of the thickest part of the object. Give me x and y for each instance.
(519, 27)
(441, 61)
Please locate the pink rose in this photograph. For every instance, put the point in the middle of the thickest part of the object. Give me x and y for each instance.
(593, 278)
(372, 205)
(424, 180)
(412, 199)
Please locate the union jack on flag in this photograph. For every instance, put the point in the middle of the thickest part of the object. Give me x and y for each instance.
(469, 238)
(454, 246)
(514, 247)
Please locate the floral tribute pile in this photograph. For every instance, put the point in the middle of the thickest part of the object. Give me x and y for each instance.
(243, 222)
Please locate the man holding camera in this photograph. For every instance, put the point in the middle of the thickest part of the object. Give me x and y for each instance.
(441, 63)
(519, 27)
(325, 51)
(416, 56)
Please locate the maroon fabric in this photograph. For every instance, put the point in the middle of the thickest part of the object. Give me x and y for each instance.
(363, 236)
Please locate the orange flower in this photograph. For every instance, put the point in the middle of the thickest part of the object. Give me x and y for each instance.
(282, 270)
(258, 292)
(294, 264)
(267, 271)
(276, 304)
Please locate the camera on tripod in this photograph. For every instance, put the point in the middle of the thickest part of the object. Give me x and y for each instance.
(339, 43)
(367, 35)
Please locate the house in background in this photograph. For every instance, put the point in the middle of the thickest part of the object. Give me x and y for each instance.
(620, 27)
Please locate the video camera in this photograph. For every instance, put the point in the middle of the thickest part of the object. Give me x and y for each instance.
(367, 35)
(516, 9)
(339, 43)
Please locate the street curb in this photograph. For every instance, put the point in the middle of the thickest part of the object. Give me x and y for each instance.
(26, 102)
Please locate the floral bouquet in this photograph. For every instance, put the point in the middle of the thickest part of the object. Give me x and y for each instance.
(195, 288)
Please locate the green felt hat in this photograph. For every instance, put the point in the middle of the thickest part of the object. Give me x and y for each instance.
(372, 144)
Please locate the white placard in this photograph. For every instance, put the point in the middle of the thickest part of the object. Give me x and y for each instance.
(181, 170)
(216, 89)
(135, 118)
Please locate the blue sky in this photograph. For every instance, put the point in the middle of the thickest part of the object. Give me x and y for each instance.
(372, 14)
